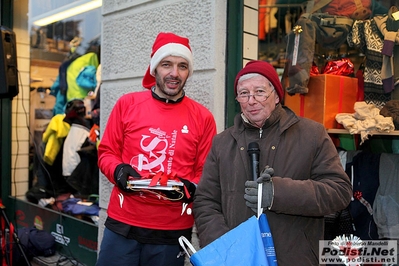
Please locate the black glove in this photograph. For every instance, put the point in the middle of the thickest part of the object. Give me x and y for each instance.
(251, 190)
(189, 189)
(122, 173)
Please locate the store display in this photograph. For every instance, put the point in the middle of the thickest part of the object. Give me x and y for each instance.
(328, 95)
(375, 38)
(299, 57)
(341, 67)
(356, 9)
(331, 30)
(391, 109)
(41, 112)
(386, 207)
(365, 120)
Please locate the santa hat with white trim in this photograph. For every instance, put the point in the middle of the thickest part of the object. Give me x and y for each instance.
(167, 44)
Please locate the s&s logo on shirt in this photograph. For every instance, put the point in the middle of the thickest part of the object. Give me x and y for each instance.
(157, 147)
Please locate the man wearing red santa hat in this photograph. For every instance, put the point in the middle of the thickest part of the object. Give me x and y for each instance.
(155, 133)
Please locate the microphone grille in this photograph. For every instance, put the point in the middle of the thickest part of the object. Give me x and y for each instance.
(253, 147)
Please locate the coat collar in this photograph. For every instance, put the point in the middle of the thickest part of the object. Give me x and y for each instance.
(282, 115)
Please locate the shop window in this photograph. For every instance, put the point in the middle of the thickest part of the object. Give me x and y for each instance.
(64, 59)
(276, 20)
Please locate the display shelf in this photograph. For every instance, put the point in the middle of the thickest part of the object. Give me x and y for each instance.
(345, 131)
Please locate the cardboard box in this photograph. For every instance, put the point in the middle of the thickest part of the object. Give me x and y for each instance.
(328, 95)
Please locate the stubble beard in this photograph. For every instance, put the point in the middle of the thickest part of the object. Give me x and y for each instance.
(161, 84)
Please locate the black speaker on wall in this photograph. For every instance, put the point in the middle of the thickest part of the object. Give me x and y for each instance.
(8, 64)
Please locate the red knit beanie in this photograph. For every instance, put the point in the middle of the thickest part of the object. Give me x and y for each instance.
(265, 69)
(167, 44)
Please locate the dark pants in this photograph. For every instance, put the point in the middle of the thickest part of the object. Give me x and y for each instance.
(118, 250)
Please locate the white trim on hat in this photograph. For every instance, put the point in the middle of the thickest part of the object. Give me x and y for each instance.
(171, 49)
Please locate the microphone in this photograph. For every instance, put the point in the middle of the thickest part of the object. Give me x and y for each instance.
(253, 152)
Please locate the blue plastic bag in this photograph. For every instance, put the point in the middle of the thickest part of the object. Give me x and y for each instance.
(240, 246)
(250, 243)
(267, 240)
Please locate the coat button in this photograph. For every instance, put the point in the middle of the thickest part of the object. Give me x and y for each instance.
(242, 148)
(273, 147)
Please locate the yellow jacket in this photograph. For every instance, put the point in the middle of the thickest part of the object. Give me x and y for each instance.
(54, 136)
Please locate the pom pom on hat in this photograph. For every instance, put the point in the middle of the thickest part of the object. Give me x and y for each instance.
(167, 44)
(265, 69)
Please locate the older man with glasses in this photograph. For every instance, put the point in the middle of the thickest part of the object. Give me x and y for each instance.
(302, 176)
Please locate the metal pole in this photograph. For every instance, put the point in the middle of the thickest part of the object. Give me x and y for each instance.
(15, 236)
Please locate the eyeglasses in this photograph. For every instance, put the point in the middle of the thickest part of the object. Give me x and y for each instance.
(260, 97)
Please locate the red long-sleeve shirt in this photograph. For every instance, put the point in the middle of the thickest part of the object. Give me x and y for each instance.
(152, 136)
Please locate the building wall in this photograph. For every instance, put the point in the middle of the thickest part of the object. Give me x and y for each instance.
(129, 29)
(250, 33)
(20, 105)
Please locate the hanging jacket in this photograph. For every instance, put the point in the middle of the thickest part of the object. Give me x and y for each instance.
(75, 91)
(386, 203)
(300, 53)
(54, 136)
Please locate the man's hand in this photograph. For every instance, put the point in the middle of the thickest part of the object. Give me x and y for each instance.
(266, 173)
(121, 175)
(189, 189)
(251, 190)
